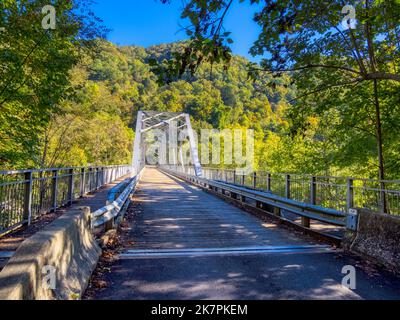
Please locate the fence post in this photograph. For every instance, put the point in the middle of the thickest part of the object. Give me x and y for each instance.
(54, 190)
(28, 198)
(234, 176)
(82, 186)
(243, 179)
(91, 182)
(102, 176)
(97, 178)
(255, 180)
(313, 191)
(305, 221)
(269, 182)
(287, 186)
(350, 194)
(70, 186)
(277, 211)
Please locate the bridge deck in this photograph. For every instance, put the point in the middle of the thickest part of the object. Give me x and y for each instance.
(178, 215)
(187, 244)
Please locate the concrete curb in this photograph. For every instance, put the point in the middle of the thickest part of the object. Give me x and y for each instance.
(65, 251)
(377, 237)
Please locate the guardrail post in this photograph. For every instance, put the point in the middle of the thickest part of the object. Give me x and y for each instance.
(313, 191)
(277, 211)
(82, 186)
(97, 178)
(70, 186)
(28, 198)
(102, 178)
(109, 225)
(350, 195)
(305, 221)
(287, 186)
(90, 180)
(54, 190)
(268, 182)
(255, 180)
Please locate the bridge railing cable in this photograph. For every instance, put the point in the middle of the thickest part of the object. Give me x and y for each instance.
(25, 195)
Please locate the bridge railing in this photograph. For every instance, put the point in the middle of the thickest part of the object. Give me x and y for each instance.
(27, 194)
(337, 193)
(243, 190)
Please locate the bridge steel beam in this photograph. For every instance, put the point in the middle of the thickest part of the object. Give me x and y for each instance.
(137, 146)
(193, 147)
(150, 120)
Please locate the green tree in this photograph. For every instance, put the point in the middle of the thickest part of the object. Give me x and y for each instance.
(328, 62)
(34, 66)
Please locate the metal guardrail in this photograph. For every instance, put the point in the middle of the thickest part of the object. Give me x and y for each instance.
(114, 192)
(27, 194)
(337, 193)
(109, 212)
(277, 203)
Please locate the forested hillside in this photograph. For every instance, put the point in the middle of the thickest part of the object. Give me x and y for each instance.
(95, 124)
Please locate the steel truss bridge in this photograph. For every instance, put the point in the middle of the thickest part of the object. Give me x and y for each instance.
(183, 218)
(27, 194)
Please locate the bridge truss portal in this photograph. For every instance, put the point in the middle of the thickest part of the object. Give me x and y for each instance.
(173, 130)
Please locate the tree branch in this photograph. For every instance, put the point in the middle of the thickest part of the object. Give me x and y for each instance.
(382, 76)
(310, 66)
(321, 89)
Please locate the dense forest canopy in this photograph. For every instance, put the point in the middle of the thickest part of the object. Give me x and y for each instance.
(344, 59)
(35, 60)
(75, 100)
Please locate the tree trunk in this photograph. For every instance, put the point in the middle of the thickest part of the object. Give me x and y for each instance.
(378, 125)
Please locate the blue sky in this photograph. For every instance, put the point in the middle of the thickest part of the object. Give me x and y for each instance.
(149, 22)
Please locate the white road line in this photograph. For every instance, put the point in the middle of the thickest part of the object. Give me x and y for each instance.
(200, 252)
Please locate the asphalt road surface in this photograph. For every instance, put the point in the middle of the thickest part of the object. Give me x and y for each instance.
(187, 244)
